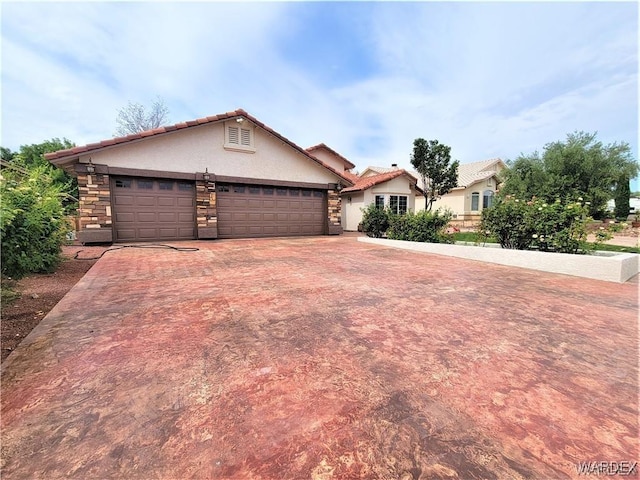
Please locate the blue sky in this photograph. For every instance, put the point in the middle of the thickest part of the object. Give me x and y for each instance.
(366, 78)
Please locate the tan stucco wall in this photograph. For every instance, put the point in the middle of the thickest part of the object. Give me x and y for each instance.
(454, 201)
(329, 158)
(198, 148)
(351, 210)
(459, 201)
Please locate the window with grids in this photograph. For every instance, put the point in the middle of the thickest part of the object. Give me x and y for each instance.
(380, 201)
(398, 204)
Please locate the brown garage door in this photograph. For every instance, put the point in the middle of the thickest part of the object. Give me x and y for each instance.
(148, 209)
(265, 211)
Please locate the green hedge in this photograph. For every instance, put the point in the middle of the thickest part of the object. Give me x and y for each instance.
(415, 227)
(423, 226)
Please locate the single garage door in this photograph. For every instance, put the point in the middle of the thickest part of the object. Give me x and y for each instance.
(148, 209)
(267, 211)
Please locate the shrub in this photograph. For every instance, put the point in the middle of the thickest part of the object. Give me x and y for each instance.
(32, 223)
(423, 226)
(559, 227)
(507, 221)
(554, 227)
(375, 221)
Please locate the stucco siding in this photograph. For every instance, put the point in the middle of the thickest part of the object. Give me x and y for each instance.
(395, 186)
(199, 148)
(454, 201)
(352, 210)
(330, 159)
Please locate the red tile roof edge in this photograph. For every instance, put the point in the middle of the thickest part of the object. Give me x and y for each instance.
(323, 145)
(368, 182)
(71, 152)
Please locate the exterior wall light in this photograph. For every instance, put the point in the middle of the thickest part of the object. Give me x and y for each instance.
(90, 167)
(206, 175)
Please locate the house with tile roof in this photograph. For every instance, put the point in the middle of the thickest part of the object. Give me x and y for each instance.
(223, 176)
(475, 190)
(396, 189)
(393, 188)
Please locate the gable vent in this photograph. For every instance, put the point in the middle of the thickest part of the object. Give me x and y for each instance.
(245, 136)
(233, 135)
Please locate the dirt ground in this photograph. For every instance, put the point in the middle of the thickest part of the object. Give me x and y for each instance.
(39, 294)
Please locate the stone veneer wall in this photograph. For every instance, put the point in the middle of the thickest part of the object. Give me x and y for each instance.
(206, 210)
(334, 210)
(94, 208)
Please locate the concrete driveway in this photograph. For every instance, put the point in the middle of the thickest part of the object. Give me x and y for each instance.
(322, 358)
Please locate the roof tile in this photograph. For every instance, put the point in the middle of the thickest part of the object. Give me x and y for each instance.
(71, 152)
(364, 183)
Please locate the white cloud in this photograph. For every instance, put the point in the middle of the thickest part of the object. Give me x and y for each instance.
(491, 79)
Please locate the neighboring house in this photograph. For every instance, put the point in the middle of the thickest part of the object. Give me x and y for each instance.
(395, 189)
(476, 187)
(224, 176)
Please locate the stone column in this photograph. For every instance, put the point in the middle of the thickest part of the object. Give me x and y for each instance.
(96, 223)
(334, 211)
(206, 211)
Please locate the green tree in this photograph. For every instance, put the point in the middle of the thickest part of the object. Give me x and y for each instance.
(31, 157)
(622, 196)
(32, 223)
(431, 160)
(135, 118)
(580, 167)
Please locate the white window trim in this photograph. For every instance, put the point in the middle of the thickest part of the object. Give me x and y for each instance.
(238, 146)
(479, 200)
(399, 195)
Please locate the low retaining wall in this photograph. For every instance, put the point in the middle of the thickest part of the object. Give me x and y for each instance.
(607, 266)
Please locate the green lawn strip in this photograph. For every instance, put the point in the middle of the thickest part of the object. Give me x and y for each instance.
(473, 237)
(617, 248)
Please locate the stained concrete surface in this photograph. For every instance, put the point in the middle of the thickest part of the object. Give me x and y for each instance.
(322, 358)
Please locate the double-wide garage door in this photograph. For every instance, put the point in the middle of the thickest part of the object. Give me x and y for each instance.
(147, 209)
(267, 211)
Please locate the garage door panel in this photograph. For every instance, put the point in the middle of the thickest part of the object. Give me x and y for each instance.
(168, 217)
(146, 217)
(147, 233)
(125, 217)
(185, 202)
(151, 209)
(169, 232)
(124, 200)
(166, 201)
(145, 201)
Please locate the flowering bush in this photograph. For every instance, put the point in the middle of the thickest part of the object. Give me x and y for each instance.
(32, 223)
(535, 224)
